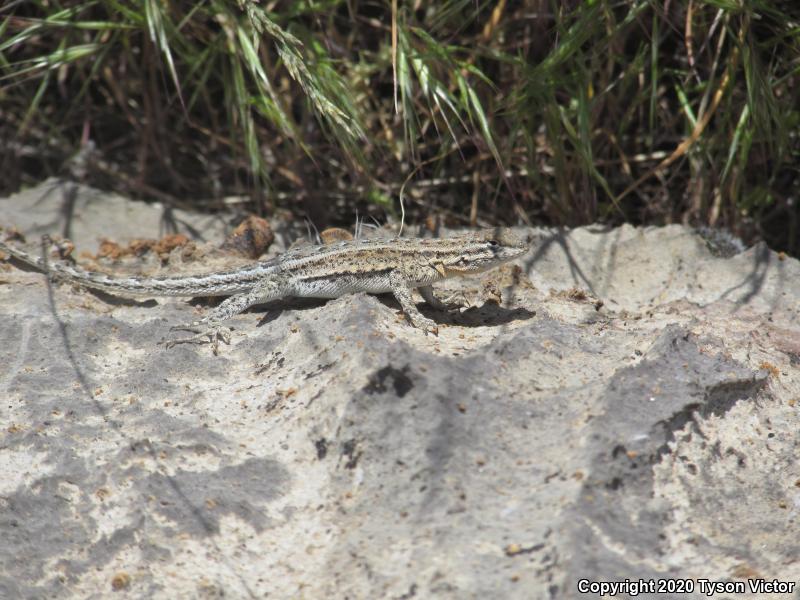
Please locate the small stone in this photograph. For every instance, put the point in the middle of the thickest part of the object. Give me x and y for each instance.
(120, 581)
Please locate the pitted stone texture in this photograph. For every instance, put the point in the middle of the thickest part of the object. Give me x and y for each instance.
(333, 451)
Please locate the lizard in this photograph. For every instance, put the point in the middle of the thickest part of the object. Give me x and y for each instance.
(376, 265)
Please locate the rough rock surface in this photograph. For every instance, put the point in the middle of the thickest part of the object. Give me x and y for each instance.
(332, 451)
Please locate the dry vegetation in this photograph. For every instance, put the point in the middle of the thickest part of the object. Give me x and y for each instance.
(540, 112)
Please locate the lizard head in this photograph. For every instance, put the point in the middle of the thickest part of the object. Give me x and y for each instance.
(486, 249)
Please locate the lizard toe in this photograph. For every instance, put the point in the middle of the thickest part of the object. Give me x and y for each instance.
(210, 335)
(426, 325)
(456, 301)
(194, 327)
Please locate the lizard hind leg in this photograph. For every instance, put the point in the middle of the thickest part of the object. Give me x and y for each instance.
(210, 330)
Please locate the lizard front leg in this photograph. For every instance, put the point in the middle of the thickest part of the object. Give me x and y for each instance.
(210, 328)
(402, 291)
(430, 297)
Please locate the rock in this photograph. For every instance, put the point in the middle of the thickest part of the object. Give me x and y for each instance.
(628, 410)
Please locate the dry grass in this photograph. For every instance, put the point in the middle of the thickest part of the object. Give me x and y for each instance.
(546, 112)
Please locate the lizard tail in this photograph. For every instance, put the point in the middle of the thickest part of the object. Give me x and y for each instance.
(216, 284)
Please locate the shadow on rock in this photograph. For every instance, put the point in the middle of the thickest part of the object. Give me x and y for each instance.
(488, 315)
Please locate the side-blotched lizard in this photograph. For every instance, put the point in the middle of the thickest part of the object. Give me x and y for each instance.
(366, 265)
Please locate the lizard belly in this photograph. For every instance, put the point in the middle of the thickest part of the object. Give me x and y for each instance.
(342, 285)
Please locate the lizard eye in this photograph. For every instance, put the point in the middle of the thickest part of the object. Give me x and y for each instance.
(494, 243)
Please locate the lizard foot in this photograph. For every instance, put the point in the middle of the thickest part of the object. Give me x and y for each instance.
(425, 324)
(453, 302)
(203, 335)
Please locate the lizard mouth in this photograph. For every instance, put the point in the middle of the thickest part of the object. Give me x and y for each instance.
(472, 268)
